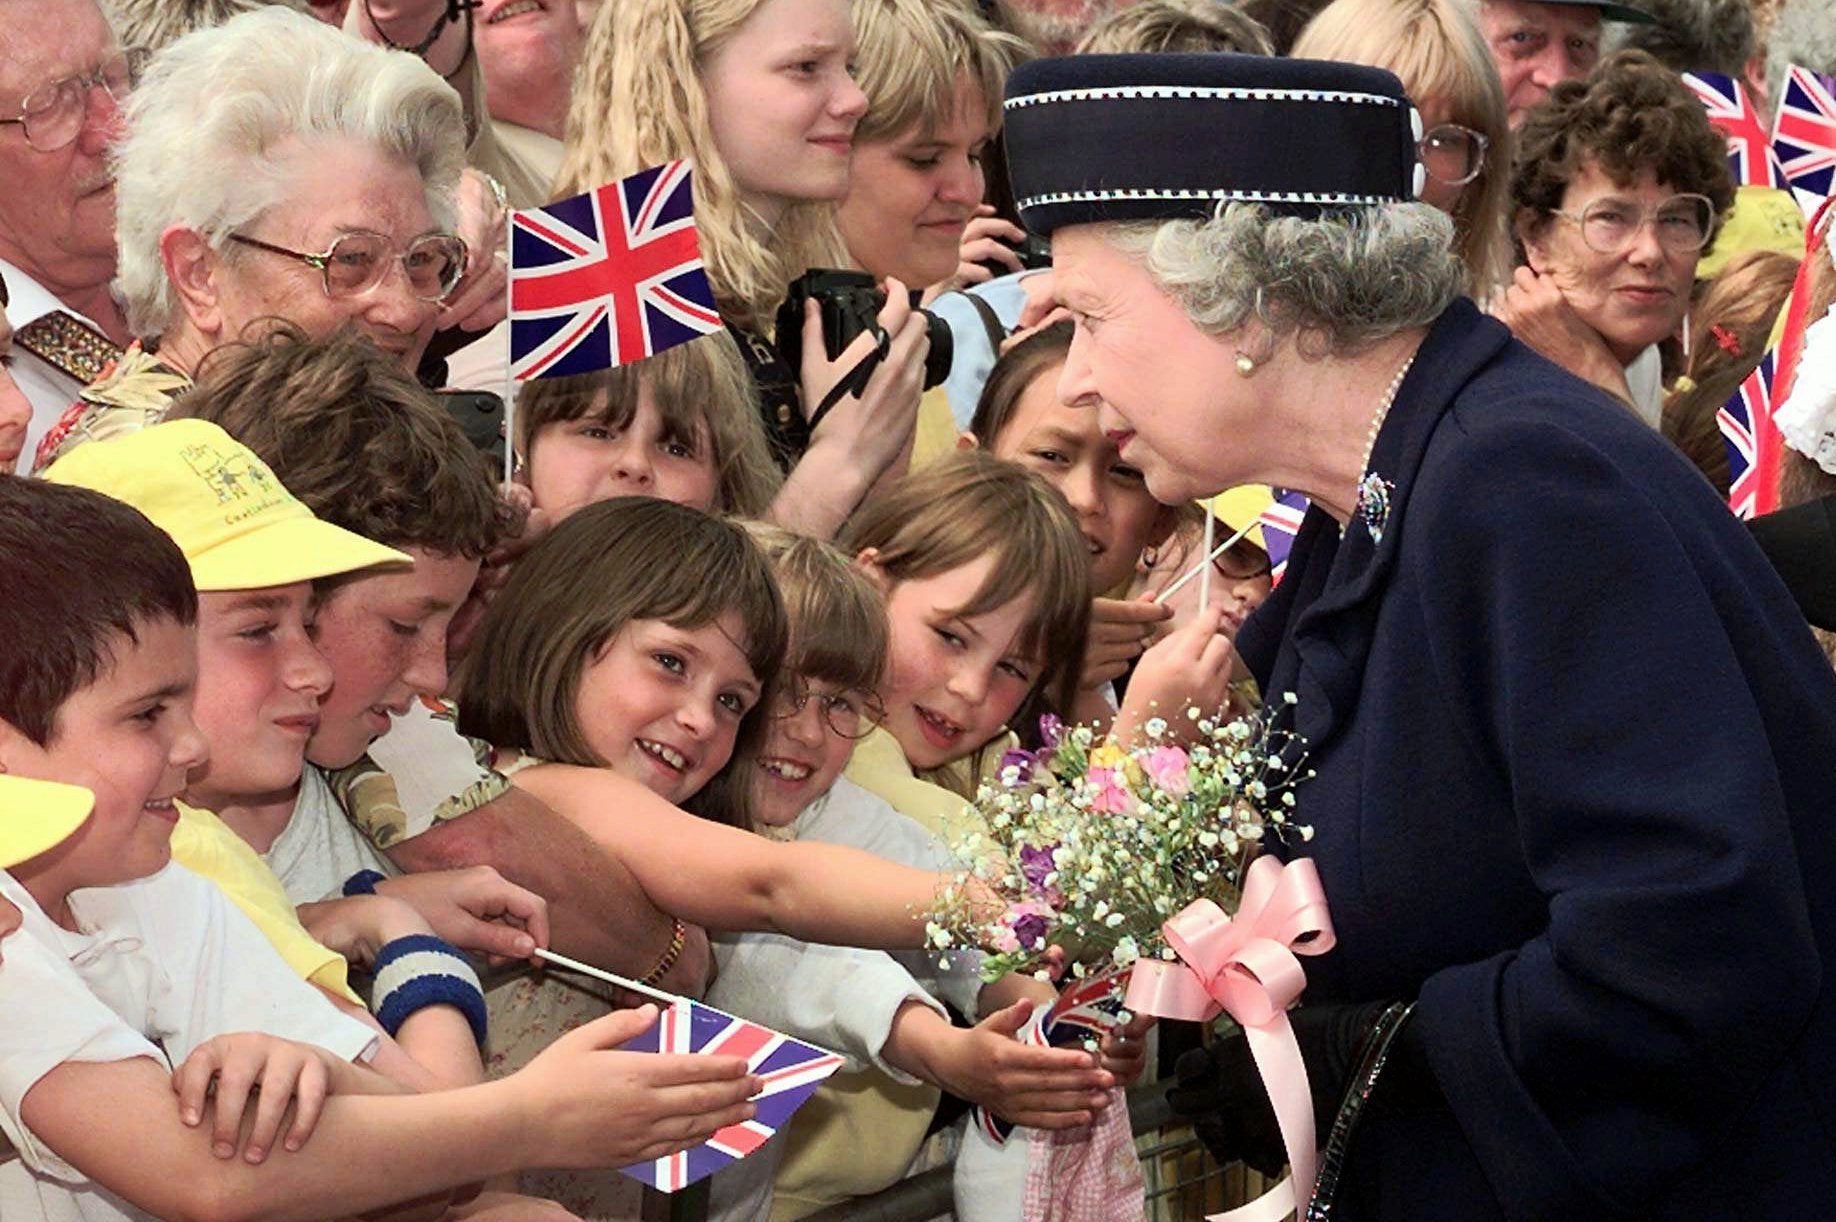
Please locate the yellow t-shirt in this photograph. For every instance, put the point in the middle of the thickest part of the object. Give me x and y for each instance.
(205, 845)
(935, 433)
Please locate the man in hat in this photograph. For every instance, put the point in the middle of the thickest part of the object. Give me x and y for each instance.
(1539, 43)
(62, 80)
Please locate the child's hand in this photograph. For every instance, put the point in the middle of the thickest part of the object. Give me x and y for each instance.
(1191, 667)
(281, 1072)
(875, 425)
(1120, 629)
(1123, 1051)
(1042, 1088)
(476, 909)
(602, 1108)
(532, 524)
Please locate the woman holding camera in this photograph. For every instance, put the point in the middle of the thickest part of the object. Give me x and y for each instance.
(758, 94)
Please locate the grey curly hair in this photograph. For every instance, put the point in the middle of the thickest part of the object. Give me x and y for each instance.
(1802, 34)
(1337, 283)
(203, 125)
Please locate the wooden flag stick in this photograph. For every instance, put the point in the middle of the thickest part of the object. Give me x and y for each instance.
(1211, 522)
(1203, 566)
(509, 361)
(623, 982)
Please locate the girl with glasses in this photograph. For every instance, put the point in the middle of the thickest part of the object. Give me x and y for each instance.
(1436, 51)
(1619, 186)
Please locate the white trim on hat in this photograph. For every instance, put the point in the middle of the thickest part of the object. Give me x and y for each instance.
(1201, 93)
(1222, 197)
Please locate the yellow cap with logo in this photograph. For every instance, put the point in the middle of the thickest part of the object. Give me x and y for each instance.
(1242, 507)
(236, 524)
(38, 815)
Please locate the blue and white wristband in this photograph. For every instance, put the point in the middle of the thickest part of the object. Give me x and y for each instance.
(421, 970)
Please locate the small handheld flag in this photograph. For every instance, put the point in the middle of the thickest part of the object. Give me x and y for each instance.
(1281, 521)
(790, 1069)
(1804, 133)
(608, 277)
(1732, 114)
(1753, 444)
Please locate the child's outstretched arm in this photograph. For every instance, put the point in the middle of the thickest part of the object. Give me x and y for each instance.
(579, 1104)
(1042, 1088)
(726, 878)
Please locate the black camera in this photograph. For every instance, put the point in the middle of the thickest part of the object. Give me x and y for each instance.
(1033, 251)
(850, 302)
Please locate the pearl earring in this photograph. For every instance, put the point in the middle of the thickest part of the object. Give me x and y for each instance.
(1246, 364)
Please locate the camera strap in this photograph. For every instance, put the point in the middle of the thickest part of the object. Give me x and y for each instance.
(854, 382)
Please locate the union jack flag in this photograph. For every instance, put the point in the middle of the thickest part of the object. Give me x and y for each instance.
(1281, 521)
(1084, 1011)
(1754, 445)
(1804, 132)
(790, 1069)
(608, 277)
(1732, 113)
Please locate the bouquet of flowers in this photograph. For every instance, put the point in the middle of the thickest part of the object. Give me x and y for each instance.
(1094, 846)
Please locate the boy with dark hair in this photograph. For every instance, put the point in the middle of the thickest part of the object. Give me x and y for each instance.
(126, 966)
(364, 447)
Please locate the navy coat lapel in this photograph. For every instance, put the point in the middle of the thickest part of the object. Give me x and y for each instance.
(1333, 630)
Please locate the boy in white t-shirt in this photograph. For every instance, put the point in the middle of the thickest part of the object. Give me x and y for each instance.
(126, 965)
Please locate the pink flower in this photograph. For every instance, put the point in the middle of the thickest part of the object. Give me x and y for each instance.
(1109, 791)
(1167, 768)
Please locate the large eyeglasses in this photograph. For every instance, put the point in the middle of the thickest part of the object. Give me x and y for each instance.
(358, 261)
(52, 114)
(1682, 222)
(1452, 154)
(849, 714)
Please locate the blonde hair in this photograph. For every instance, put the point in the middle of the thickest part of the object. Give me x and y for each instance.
(638, 101)
(838, 630)
(151, 24)
(970, 505)
(1158, 26)
(1436, 50)
(912, 56)
(704, 394)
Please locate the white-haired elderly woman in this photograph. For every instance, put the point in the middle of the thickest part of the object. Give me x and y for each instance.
(1572, 747)
(276, 168)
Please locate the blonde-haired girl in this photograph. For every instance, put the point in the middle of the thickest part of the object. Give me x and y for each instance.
(758, 94)
(933, 73)
(1435, 49)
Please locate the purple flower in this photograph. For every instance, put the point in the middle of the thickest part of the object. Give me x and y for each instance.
(1051, 731)
(1020, 761)
(1166, 767)
(1030, 930)
(1036, 864)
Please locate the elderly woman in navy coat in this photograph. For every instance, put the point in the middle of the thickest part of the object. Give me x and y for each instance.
(1576, 797)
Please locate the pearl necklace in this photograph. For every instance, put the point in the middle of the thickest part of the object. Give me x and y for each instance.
(1372, 500)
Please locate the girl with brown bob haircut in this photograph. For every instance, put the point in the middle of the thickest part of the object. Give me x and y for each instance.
(964, 510)
(596, 574)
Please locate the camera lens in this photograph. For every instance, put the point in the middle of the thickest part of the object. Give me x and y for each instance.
(943, 350)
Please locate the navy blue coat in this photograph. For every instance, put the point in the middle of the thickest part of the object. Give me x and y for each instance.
(1576, 794)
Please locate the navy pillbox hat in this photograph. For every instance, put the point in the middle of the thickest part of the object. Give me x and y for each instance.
(1165, 137)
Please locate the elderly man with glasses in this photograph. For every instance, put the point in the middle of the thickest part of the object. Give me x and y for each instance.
(62, 81)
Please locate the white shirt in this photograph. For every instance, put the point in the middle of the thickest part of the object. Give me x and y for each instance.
(49, 389)
(319, 849)
(164, 964)
(1645, 379)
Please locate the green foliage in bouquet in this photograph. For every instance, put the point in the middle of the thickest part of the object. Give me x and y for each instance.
(1091, 845)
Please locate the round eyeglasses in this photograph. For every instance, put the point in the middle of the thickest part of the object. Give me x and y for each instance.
(357, 262)
(1608, 224)
(1452, 154)
(52, 114)
(849, 715)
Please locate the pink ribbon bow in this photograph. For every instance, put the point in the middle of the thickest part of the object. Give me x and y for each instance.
(1247, 967)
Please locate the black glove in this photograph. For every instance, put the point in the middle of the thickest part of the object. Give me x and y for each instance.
(1223, 1096)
